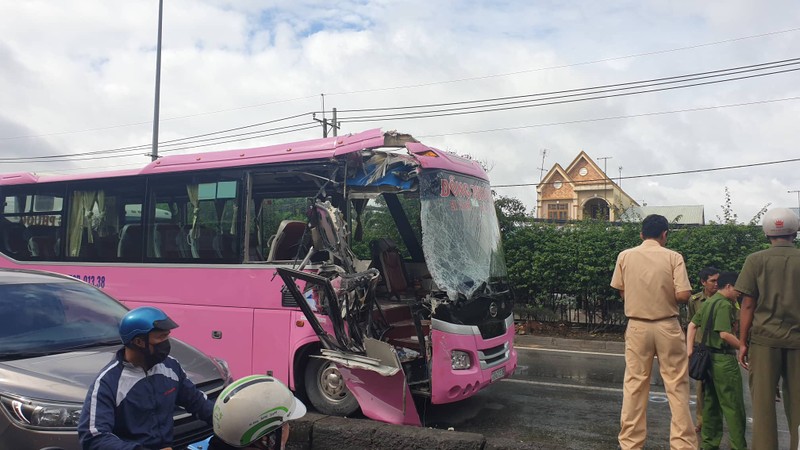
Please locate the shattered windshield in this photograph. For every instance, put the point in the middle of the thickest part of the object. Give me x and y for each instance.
(460, 234)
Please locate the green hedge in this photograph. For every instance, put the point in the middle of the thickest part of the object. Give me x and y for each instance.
(562, 272)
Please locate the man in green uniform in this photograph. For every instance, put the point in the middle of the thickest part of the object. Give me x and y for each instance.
(708, 279)
(769, 332)
(723, 391)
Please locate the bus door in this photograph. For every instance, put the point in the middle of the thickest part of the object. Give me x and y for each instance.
(370, 367)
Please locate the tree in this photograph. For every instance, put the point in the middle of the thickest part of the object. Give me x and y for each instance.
(510, 213)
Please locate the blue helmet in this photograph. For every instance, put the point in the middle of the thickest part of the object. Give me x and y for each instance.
(143, 320)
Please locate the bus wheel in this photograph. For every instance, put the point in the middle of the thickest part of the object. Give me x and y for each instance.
(326, 389)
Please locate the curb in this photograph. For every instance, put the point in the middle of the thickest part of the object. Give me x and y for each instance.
(319, 432)
(589, 345)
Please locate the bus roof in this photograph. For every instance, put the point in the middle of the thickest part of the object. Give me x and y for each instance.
(324, 148)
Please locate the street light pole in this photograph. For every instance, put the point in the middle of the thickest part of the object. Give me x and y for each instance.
(154, 152)
(798, 198)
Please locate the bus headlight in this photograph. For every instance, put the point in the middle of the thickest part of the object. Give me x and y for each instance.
(38, 414)
(460, 360)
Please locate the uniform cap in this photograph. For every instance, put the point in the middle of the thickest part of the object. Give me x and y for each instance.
(780, 222)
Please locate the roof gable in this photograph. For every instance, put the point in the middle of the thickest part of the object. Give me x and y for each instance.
(556, 170)
(584, 158)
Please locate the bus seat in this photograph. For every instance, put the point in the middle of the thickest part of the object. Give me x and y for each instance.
(106, 246)
(43, 246)
(224, 245)
(170, 241)
(202, 247)
(15, 241)
(387, 258)
(43, 241)
(287, 241)
(130, 242)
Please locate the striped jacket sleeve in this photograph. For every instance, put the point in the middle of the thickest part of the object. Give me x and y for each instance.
(96, 425)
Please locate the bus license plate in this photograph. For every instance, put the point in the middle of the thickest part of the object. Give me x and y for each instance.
(499, 373)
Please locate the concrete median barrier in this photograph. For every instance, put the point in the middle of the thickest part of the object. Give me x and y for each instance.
(319, 432)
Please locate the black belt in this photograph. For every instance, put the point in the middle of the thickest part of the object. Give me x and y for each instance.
(652, 320)
(728, 351)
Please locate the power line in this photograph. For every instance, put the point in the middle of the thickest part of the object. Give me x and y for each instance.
(179, 141)
(563, 66)
(505, 106)
(461, 110)
(664, 174)
(601, 88)
(63, 158)
(600, 119)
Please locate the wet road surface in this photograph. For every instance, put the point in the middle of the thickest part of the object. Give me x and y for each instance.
(564, 399)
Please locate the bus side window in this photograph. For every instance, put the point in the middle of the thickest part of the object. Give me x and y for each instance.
(95, 218)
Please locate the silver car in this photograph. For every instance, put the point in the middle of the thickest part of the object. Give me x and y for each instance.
(55, 336)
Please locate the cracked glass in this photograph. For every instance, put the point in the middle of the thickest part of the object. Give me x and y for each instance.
(460, 233)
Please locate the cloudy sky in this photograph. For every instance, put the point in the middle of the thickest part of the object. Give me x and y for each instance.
(78, 76)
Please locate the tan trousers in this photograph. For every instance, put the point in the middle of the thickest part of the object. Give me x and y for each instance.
(767, 367)
(643, 341)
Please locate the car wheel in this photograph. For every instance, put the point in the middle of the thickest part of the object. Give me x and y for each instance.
(326, 389)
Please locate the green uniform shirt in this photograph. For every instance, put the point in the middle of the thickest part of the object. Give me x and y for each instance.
(772, 277)
(695, 302)
(724, 316)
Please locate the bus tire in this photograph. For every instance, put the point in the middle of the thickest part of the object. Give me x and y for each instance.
(326, 390)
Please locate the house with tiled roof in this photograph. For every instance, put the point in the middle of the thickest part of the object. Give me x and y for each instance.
(582, 190)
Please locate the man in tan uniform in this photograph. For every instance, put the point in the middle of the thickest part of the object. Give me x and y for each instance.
(652, 280)
(769, 332)
(708, 279)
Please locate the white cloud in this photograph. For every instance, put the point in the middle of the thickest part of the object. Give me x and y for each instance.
(71, 66)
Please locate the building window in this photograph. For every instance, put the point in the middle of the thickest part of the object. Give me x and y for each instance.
(557, 211)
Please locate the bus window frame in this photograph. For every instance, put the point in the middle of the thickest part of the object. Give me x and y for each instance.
(239, 176)
(34, 190)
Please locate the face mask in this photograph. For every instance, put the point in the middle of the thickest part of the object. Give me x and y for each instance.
(159, 353)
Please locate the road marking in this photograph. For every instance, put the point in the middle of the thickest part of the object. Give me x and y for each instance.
(654, 396)
(581, 352)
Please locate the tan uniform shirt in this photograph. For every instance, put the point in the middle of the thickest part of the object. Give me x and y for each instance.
(650, 275)
(772, 277)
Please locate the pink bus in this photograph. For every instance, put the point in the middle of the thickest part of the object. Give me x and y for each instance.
(363, 270)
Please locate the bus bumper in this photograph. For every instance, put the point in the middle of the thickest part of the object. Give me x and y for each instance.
(491, 359)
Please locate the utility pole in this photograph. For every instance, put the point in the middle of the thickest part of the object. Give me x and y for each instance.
(620, 176)
(798, 199)
(605, 185)
(334, 124)
(154, 152)
(541, 169)
(605, 167)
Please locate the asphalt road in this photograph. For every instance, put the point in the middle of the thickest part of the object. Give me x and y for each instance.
(563, 399)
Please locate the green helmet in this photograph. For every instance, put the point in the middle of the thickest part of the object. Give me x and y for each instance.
(252, 407)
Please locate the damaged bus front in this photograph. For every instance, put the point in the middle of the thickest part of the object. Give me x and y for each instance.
(414, 301)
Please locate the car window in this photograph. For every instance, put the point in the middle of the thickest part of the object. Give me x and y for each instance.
(53, 317)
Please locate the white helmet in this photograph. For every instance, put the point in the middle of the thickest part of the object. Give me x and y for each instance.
(780, 222)
(252, 407)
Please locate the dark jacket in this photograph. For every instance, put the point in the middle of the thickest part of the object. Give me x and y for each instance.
(127, 408)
